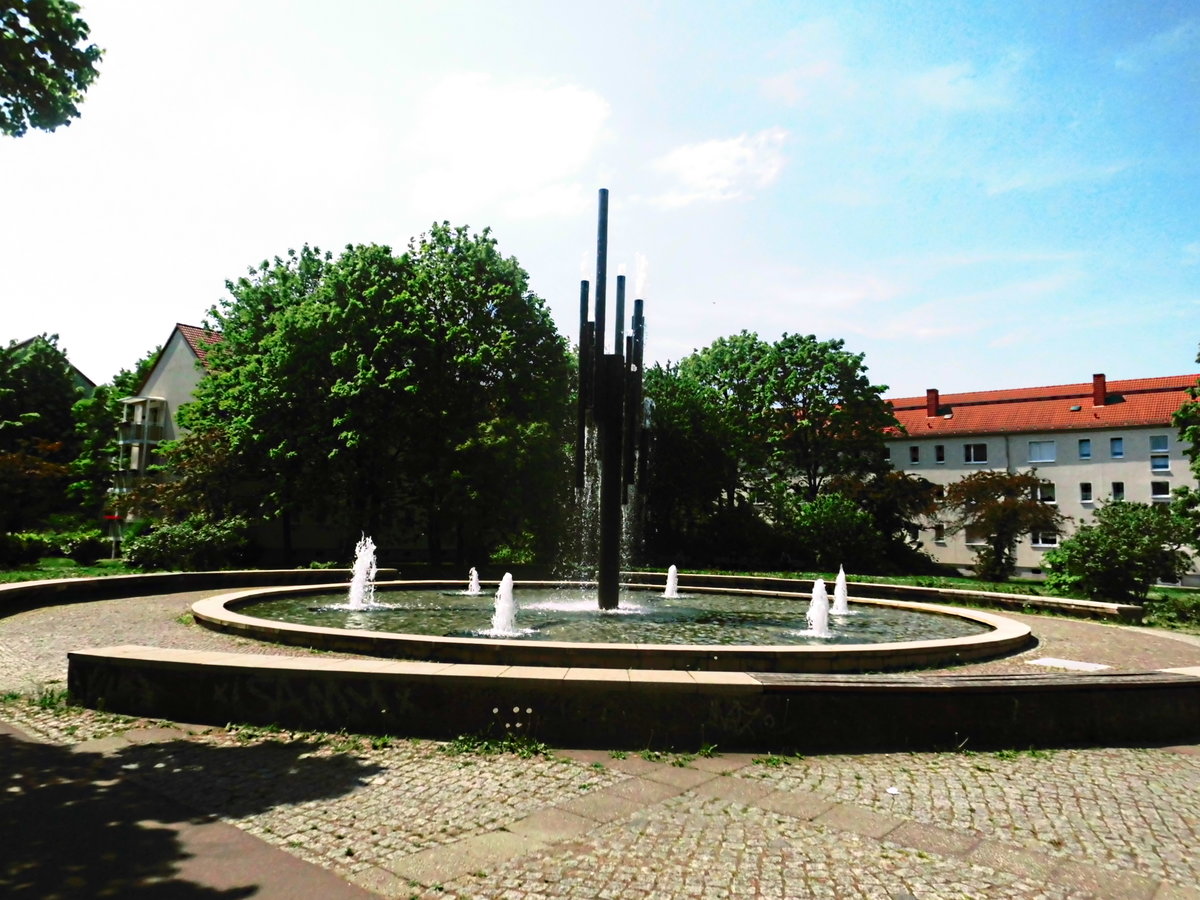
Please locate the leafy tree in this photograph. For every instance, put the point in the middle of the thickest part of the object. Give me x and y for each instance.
(1121, 554)
(381, 391)
(898, 503)
(830, 419)
(1001, 506)
(37, 435)
(44, 66)
(1187, 499)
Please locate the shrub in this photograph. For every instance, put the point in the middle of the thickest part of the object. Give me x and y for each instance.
(1127, 549)
(20, 550)
(195, 544)
(84, 547)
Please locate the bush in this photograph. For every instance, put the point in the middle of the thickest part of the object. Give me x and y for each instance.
(195, 544)
(84, 547)
(1127, 549)
(21, 550)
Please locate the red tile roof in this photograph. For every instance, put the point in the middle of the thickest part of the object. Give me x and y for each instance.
(198, 339)
(1062, 407)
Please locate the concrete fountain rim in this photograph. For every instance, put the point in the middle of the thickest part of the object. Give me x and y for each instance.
(1006, 636)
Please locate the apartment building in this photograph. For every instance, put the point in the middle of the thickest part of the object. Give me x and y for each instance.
(1089, 442)
(149, 416)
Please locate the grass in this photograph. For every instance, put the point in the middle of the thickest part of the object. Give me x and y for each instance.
(60, 567)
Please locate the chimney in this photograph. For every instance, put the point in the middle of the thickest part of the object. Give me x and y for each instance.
(931, 402)
(1099, 390)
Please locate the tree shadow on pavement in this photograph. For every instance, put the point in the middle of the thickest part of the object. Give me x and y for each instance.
(82, 824)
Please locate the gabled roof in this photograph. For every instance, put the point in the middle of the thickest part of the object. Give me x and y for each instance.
(1063, 407)
(198, 339)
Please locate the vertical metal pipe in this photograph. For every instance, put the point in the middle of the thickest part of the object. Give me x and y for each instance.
(584, 388)
(619, 318)
(601, 270)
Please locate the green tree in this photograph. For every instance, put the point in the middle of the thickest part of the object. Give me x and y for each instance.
(37, 433)
(830, 420)
(1187, 499)
(1121, 554)
(45, 67)
(1000, 507)
(425, 390)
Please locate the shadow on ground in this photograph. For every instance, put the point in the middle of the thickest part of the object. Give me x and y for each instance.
(76, 825)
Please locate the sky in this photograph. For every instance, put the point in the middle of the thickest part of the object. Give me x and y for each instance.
(974, 195)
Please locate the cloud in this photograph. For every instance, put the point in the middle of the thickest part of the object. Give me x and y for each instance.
(958, 87)
(1051, 173)
(476, 140)
(1180, 41)
(720, 170)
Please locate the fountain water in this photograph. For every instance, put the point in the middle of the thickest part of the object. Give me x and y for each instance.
(362, 582)
(504, 619)
(672, 591)
(473, 588)
(818, 611)
(841, 597)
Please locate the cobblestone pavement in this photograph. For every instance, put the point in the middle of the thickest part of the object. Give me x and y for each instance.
(411, 819)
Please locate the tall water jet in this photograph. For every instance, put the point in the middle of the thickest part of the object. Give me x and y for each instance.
(362, 581)
(672, 591)
(818, 610)
(504, 615)
(473, 586)
(841, 598)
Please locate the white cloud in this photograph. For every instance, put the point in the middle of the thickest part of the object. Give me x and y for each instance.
(1043, 174)
(722, 169)
(476, 140)
(959, 87)
(1182, 40)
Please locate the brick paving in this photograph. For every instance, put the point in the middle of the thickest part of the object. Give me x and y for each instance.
(407, 819)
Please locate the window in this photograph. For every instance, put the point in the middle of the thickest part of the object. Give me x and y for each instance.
(1043, 492)
(1085, 492)
(1041, 451)
(887, 453)
(975, 535)
(975, 453)
(914, 455)
(1160, 490)
(939, 533)
(939, 453)
(1118, 490)
(1160, 456)
(1085, 448)
(1116, 448)
(1043, 538)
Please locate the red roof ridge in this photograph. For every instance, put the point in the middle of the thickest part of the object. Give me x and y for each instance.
(199, 339)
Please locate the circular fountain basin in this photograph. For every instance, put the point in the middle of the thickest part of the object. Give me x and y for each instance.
(980, 635)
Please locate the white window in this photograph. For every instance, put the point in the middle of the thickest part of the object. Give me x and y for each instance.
(1043, 492)
(1160, 490)
(1041, 451)
(975, 535)
(1085, 448)
(1085, 492)
(975, 453)
(1043, 539)
(887, 453)
(914, 455)
(939, 453)
(1116, 448)
(1160, 456)
(1118, 490)
(939, 533)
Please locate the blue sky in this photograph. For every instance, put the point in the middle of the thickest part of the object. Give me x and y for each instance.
(974, 195)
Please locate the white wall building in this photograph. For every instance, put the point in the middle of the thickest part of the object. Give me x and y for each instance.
(1089, 442)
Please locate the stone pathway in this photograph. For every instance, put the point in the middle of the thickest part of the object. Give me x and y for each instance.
(408, 819)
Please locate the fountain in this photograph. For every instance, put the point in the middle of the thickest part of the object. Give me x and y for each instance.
(504, 618)
(473, 588)
(841, 597)
(818, 611)
(672, 590)
(362, 579)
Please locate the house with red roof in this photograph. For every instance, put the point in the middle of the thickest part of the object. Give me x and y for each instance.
(1089, 442)
(149, 416)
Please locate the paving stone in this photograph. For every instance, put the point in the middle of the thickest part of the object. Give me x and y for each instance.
(868, 823)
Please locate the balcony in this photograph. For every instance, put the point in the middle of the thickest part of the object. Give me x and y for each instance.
(135, 432)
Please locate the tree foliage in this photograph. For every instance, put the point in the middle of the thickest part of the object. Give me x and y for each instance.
(423, 391)
(1121, 554)
(45, 64)
(1001, 507)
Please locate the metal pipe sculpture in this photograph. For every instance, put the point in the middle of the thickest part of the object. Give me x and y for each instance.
(610, 398)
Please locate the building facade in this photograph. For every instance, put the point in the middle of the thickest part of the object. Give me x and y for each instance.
(149, 416)
(1089, 442)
